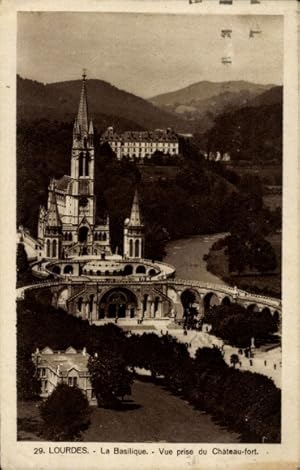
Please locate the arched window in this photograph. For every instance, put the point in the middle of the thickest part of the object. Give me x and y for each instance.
(87, 164)
(79, 304)
(48, 248)
(56, 270)
(95, 236)
(83, 234)
(68, 269)
(81, 158)
(54, 248)
(70, 237)
(91, 301)
(104, 237)
(130, 248)
(137, 248)
(128, 270)
(140, 270)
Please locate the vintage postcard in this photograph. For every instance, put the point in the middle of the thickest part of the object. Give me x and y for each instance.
(149, 234)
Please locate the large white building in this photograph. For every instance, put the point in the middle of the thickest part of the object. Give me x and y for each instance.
(140, 145)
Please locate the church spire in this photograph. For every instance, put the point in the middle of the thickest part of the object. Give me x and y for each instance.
(53, 218)
(82, 115)
(135, 216)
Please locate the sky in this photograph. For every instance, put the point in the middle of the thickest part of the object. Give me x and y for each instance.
(148, 54)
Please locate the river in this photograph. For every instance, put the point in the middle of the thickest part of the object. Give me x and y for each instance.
(186, 255)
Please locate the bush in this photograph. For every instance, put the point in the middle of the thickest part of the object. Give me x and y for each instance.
(28, 387)
(110, 378)
(238, 325)
(65, 414)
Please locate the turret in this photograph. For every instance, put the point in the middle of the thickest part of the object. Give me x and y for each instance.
(91, 133)
(53, 218)
(53, 227)
(134, 231)
(41, 222)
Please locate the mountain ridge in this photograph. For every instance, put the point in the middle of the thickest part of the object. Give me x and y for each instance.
(59, 101)
(215, 89)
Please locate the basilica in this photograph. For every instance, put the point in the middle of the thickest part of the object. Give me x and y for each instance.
(69, 226)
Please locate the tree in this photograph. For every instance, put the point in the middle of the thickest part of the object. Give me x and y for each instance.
(109, 377)
(209, 358)
(264, 256)
(238, 325)
(65, 413)
(22, 260)
(28, 386)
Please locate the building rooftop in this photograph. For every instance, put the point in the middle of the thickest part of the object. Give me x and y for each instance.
(63, 361)
(62, 183)
(158, 135)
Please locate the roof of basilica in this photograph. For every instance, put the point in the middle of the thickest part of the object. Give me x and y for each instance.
(63, 183)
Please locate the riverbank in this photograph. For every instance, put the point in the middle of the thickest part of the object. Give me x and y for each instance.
(264, 284)
(186, 255)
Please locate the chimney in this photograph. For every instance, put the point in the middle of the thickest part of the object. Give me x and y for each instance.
(84, 351)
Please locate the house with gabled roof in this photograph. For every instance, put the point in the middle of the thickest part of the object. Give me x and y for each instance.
(69, 367)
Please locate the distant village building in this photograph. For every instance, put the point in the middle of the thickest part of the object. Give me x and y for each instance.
(185, 135)
(139, 145)
(217, 156)
(68, 367)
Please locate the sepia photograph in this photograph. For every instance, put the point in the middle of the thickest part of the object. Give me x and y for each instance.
(149, 232)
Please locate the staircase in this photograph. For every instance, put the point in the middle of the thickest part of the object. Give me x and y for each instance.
(77, 294)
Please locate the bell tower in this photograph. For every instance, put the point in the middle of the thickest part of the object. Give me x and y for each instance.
(53, 229)
(82, 162)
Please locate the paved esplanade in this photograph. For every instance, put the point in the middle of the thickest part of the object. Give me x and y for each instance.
(155, 415)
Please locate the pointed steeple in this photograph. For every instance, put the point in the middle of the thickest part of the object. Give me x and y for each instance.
(76, 128)
(82, 115)
(135, 215)
(53, 219)
(91, 128)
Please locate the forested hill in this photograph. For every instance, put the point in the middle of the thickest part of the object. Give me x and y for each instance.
(201, 103)
(204, 90)
(177, 208)
(107, 105)
(250, 133)
(272, 96)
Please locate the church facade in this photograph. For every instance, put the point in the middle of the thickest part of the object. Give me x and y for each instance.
(69, 225)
